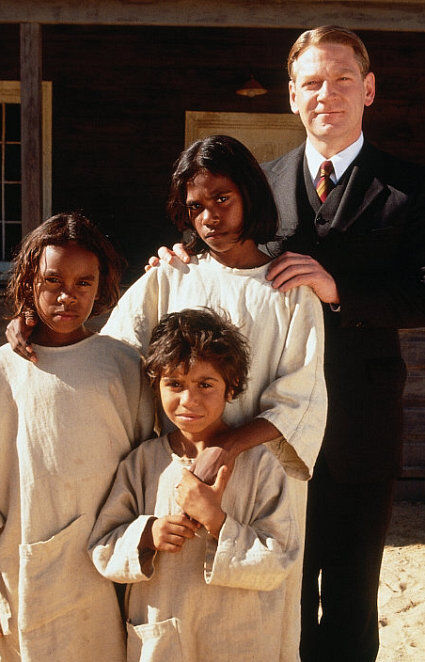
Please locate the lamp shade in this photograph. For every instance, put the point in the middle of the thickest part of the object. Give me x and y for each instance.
(252, 88)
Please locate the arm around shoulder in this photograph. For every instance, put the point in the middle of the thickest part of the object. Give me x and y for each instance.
(296, 401)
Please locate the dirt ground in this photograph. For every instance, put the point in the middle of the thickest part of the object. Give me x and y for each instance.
(402, 587)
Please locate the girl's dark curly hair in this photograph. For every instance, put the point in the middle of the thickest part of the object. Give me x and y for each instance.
(224, 155)
(58, 231)
(198, 335)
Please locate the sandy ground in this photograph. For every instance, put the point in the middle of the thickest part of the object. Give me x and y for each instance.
(402, 587)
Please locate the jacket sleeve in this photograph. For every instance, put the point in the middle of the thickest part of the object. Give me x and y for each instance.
(114, 541)
(258, 554)
(296, 401)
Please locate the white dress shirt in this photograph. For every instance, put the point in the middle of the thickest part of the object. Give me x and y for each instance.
(340, 161)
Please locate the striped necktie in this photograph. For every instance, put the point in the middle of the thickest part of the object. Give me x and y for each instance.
(325, 184)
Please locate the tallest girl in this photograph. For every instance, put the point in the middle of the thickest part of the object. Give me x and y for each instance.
(220, 196)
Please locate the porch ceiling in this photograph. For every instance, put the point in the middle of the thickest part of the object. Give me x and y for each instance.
(407, 15)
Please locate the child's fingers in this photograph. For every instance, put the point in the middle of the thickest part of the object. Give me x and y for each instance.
(222, 479)
(168, 546)
(181, 252)
(152, 262)
(165, 254)
(174, 538)
(183, 526)
(190, 525)
(17, 333)
(31, 318)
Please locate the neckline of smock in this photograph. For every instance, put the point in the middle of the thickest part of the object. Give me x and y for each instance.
(64, 348)
(186, 461)
(207, 257)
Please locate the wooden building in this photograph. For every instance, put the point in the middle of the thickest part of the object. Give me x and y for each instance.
(104, 87)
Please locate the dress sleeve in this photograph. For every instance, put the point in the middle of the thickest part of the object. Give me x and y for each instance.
(256, 555)
(9, 470)
(114, 541)
(136, 313)
(296, 401)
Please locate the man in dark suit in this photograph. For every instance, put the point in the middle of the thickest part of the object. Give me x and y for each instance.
(359, 241)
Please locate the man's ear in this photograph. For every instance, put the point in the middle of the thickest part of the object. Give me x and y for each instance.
(292, 98)
(369, 88)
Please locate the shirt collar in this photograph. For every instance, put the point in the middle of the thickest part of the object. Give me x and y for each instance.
(340, 161)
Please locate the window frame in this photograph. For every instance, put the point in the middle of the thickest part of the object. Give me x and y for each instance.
(10, 92)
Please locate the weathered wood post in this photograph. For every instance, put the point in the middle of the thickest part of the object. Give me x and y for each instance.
(31, 125)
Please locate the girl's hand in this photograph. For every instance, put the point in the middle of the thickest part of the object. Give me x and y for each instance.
(168, 255)
(169, 533)
(203, 502)
(17, 333)
(209, 461)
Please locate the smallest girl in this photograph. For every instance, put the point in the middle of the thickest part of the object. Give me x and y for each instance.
(205, 564)
(67, 420)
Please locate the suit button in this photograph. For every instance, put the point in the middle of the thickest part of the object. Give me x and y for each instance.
(320, 220)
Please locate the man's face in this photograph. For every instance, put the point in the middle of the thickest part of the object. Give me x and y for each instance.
(329, 94)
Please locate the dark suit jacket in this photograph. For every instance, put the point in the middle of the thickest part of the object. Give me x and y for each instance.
(370, 235)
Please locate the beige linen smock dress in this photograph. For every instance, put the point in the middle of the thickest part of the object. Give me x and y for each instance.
(214, 601)
(65, 425)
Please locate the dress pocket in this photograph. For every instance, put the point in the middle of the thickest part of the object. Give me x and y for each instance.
(53, 578)
(154, 642)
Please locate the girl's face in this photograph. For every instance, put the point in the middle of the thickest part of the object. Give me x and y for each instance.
(215, 208)
(194, 401)
(65, 288)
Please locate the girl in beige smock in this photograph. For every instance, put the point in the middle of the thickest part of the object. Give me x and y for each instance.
(219, 194)
(66, 422)
(214, 593)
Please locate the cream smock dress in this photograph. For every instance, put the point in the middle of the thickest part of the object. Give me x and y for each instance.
(286, 385)
(214, 601)
(65, 425)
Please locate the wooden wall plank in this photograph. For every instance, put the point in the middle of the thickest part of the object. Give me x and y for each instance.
(31, 125)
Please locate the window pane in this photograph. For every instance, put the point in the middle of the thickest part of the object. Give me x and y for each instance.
(13, 121)
(12, 165)
(13, 237)
(12, 202)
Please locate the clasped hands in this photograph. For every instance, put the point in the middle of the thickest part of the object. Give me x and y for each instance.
(201, 505)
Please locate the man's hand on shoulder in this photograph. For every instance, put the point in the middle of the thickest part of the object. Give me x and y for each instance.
(178, 252)
(290, 270)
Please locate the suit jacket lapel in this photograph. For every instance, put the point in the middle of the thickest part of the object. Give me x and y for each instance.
(358, 193)
(344, 206)
(284, 176)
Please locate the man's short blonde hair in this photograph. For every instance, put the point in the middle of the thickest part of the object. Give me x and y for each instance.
(329, 34)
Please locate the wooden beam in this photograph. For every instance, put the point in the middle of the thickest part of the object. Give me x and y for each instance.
(397, 15)
(31, 126)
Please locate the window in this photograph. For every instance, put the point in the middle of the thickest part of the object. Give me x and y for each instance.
(10, 171)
